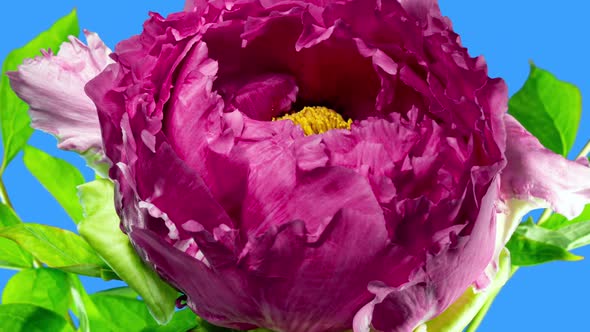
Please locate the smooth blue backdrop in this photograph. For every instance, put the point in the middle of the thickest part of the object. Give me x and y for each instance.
(509, 33)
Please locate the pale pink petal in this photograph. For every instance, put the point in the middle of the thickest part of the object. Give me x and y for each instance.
(536, 174)
(53, 86)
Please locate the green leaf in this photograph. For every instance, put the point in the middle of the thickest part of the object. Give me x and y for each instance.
(47, 288)
(578, 234)
(527, 252)
(124, 314)
(20, 317)
(205, 326)
(557, 221)
(116, 309)
(549, 108)
(59, 177)
(101, 229)
(569, 237)
(13, 116)
(125, 292)
(56, 247)
(12, 256)
(7, 216)
(456, 317)
(183, 320)
(84, 308)
(109, 275)
(550, 244)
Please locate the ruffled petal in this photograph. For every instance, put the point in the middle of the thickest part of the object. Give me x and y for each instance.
(259, 288)
(536, 174)
(446, 273)
(262, 97)
(421, 9)
(227, 287)
(53, 86)
(165, 181)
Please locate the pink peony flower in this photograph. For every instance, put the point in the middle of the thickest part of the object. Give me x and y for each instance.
(310, 165)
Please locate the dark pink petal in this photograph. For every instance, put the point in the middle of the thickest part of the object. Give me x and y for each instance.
(194, 115)
(225, 299)
(181, 187)
(442, 279)
(262, 97)
(270, 260)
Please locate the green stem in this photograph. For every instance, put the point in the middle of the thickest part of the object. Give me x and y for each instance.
(482, 312)
(585, 150)
(6, 200)
(4, 194)
(71, 321)
(478, 319)
(545, 216)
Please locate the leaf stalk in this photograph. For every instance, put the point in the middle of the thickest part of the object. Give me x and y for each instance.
(4, 194)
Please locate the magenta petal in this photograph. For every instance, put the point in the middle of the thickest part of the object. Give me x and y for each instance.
(447, 272)
(190, 275)
(194, 116)
(194, 5)
(168, 183)
(540, 176)
(263, 97)
(291, 282)
(260, 289)
(421, 9)
(53, 86)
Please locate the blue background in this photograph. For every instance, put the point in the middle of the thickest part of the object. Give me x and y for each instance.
(509, 33)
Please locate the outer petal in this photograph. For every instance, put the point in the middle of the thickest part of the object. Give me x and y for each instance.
(446, 273)
(275, 283)
(53, 86)
(538, 175)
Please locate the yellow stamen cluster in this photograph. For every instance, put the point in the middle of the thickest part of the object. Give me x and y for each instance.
(316, 120)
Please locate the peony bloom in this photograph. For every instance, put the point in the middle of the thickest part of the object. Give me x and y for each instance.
(315, 165)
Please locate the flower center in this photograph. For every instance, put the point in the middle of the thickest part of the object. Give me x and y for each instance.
(316, 120)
